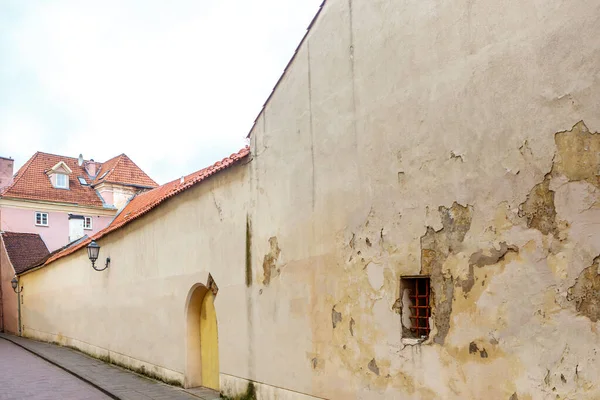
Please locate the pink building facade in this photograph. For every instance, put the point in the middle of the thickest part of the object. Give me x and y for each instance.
(63, 199)
(56, 233)
(50, 202)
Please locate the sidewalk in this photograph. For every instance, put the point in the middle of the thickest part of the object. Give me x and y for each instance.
(113, 381)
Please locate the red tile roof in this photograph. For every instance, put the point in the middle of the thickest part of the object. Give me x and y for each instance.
(24, 249)
(121, 169)
(31, 181)
(147, 201)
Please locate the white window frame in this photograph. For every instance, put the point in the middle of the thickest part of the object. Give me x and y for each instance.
(41, 214)
(85, 225)
(66, 182)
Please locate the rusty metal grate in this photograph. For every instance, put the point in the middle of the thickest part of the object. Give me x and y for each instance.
(419, 293)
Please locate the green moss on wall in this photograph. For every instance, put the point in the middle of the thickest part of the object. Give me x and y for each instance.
(248, 251)
(250, 394)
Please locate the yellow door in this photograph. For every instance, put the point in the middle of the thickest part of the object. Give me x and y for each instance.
(209, 343)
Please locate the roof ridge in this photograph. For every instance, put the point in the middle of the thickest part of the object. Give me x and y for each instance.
(63, 156)
(19, 233)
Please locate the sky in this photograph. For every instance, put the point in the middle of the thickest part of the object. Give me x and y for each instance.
(175, 85)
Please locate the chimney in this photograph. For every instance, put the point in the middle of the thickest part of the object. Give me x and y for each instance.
(80, 160)
(6, 171)
(90, 167)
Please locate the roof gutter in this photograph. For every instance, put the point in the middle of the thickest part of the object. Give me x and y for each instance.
(52, 202)
(124, 184)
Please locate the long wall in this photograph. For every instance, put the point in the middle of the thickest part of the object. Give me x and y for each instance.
(155, 262)
(405, 138)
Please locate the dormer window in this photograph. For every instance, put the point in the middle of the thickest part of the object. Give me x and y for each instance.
(59, 175)
(62, 181)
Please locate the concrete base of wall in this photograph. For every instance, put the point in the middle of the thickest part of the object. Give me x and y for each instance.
(232, 386)
(141, 367)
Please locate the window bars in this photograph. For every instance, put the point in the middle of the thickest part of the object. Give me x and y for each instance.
(420, 307)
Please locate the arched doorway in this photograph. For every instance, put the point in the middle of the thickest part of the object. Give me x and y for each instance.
(202, 341)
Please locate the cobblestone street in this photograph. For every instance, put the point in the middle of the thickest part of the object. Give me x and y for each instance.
(25, 376)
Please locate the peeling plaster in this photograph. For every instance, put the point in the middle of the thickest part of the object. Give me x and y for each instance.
(336, 317)
(373, 367)
(586, 291)
(375, 275)
(539, 208)
(455, 156)
(269, 263)
(481, 259)
(578, 154)
(436, 246)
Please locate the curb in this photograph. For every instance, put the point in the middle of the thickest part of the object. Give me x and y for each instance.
(106, 392)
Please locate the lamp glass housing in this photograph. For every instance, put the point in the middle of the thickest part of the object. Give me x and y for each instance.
(93, 251)
(14, 283)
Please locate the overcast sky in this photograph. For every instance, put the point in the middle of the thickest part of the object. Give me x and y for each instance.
(174, 84)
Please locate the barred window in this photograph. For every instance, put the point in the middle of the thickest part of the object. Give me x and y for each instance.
(416, 307)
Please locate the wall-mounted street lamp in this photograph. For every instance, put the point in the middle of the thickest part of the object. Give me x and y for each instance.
(15, 285)
(93, 251)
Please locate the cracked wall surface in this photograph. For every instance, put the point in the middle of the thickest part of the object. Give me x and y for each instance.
(456, 141)
(436, 246)
(467, 154)
(586, 291)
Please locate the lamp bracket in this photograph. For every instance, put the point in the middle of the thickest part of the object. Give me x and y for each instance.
(105, 266)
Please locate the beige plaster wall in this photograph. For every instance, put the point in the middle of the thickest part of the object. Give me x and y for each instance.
(134, 312)
(405, 138)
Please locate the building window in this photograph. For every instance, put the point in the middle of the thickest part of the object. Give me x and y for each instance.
(416, 306)
(61, 181)
(82, 180)
(41, 219)
(87, 223)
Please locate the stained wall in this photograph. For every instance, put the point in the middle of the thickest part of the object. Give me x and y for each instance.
(455, 141)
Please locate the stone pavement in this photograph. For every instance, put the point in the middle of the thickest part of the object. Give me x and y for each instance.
(26, 376)
(114, 382)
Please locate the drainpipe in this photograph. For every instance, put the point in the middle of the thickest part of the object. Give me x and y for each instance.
(15, 285)
(19, 308)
